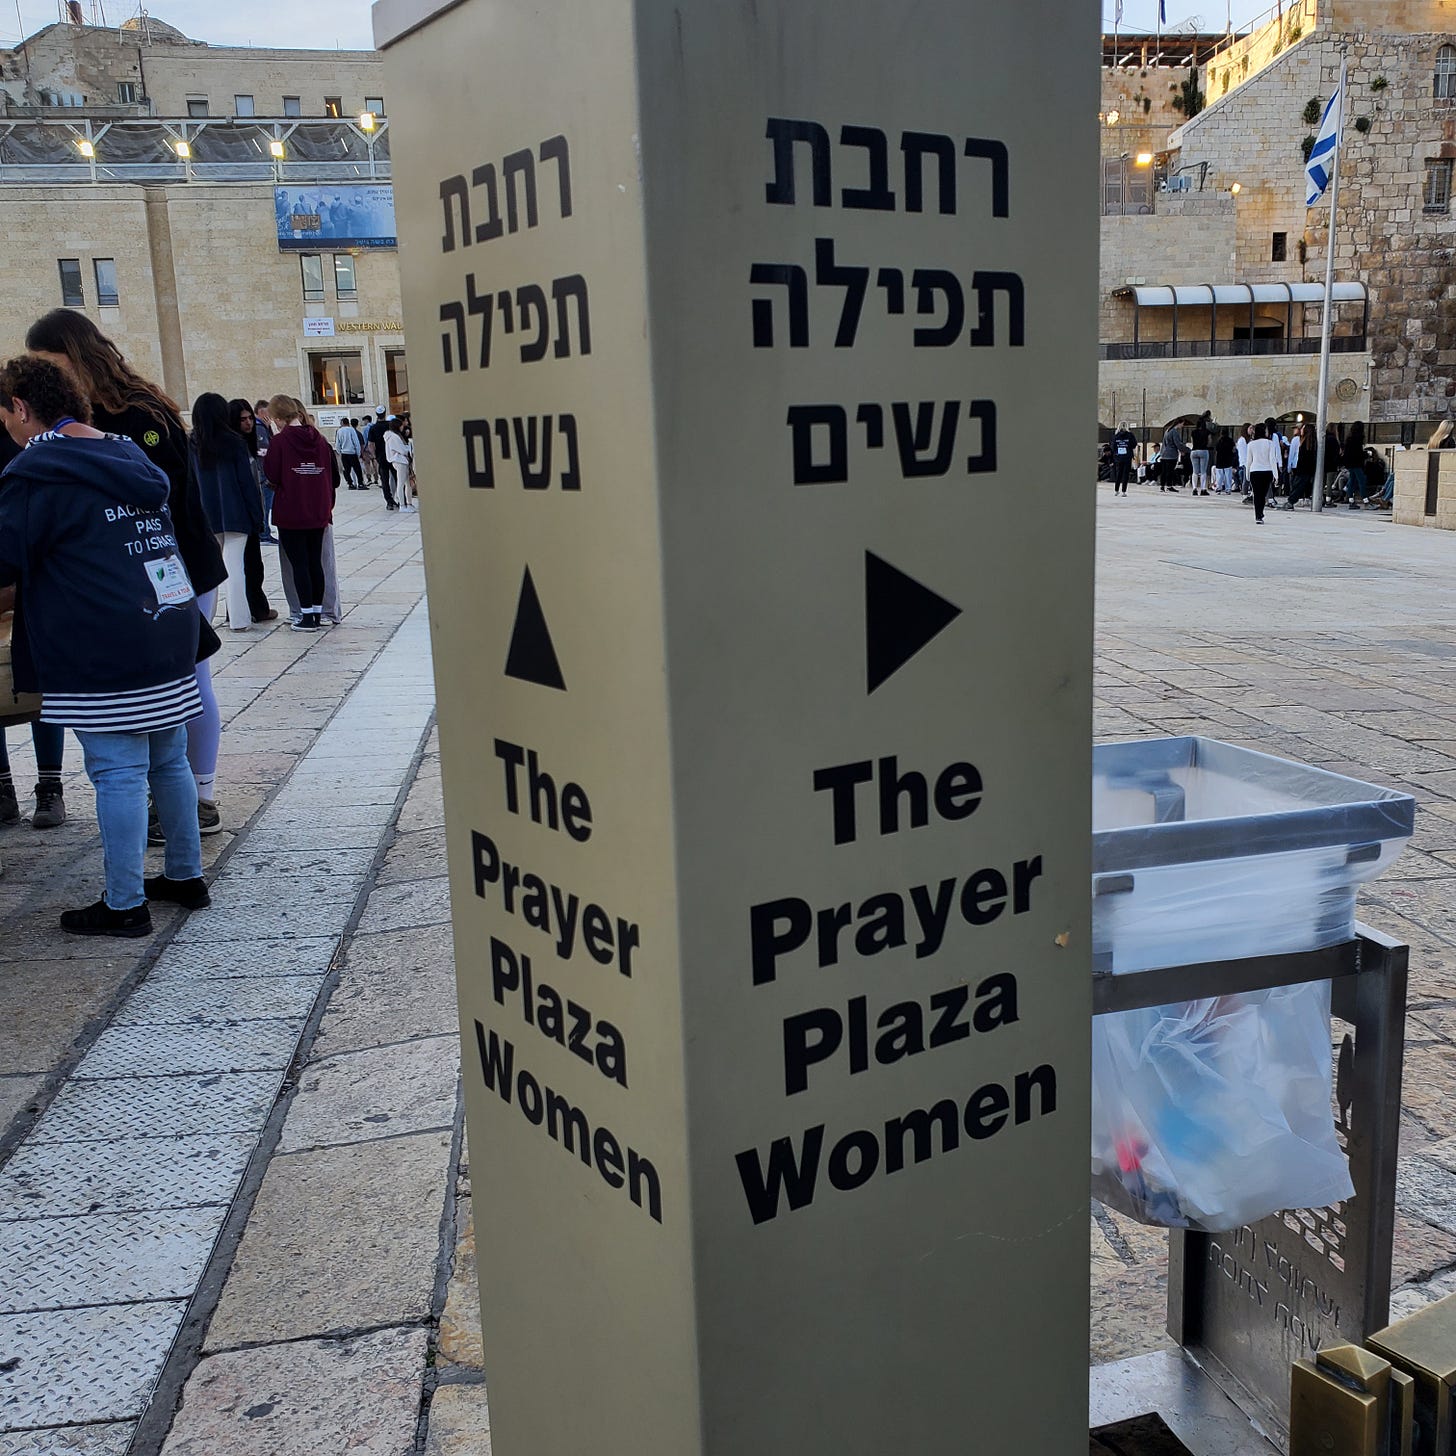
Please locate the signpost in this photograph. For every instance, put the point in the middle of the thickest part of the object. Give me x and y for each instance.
(760, 377)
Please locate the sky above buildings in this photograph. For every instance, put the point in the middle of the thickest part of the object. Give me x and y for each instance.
(325, 24)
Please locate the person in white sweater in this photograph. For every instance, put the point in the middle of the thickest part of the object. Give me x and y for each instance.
(1264, 463)
(396, 452)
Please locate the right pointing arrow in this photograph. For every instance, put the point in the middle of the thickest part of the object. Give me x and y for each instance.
(901, 616)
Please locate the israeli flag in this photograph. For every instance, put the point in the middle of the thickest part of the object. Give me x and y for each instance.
(1321, 164)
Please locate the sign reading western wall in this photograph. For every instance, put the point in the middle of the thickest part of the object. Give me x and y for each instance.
(757, 355)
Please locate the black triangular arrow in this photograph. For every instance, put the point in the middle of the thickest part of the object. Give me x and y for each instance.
(532, 658)
(901, 616)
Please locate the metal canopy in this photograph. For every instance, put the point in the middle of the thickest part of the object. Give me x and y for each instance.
(1192, 295)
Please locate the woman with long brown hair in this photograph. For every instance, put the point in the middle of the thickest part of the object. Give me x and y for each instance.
(123, 403)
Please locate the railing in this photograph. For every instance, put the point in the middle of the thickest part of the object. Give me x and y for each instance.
(71, 174)
(1228, 348)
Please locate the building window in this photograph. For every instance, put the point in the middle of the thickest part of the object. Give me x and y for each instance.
(243, 106)
(1280, 251)
(128, 93)
(374, 104)
(1438, 185)
(197, 106)
(333, 106)
(292, 106)
(312, 265)
(72, 294)
(1446, 76)
(345, 284)
(397, 373)
(338, 379)
(106, 291)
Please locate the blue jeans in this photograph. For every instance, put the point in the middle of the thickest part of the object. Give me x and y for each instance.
(121, 765)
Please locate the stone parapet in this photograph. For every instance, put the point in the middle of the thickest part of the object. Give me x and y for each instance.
(1425, 488)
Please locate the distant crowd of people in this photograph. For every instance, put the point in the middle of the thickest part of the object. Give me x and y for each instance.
(1258, 461)
(118, 531)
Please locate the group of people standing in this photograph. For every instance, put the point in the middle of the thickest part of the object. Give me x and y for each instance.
(383, 454)
(1257, 460)
(117, 531)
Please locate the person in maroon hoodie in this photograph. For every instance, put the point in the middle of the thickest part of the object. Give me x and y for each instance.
(304, 472)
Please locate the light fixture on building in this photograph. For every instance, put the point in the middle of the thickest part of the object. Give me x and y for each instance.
(1113, 117)
(85, 148)
(1236, 188)
(275, 149)
(183, 150)
(367, 121)
(1144, 159)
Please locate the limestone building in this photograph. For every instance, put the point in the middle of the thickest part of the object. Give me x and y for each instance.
(224, 213)
(1212, 266)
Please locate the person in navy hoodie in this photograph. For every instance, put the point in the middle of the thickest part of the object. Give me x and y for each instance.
(107, 631)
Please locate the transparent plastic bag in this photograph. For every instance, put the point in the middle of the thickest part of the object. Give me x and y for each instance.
(1217, 1113)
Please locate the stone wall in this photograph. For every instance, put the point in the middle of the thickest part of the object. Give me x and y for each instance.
(1386, 239)
(85, 64)
(1243, 60)
(1234, 389)
(1143, 101)
(1412, 487)
(207, 302)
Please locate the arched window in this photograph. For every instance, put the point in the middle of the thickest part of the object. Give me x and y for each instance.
(1446, 76)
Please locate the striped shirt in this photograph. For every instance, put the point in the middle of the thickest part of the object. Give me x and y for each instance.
(142, 710)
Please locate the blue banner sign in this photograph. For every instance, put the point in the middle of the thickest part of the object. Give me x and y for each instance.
(344, 215)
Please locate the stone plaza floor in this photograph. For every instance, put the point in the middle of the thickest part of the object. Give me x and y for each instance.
(234, 1193)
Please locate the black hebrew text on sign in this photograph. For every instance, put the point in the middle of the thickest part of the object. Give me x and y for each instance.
(524, 309)
(937, 291)
(821, 438)
(532, 437)
(518, 171)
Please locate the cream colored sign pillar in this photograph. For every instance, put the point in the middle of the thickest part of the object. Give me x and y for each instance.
(752, 353)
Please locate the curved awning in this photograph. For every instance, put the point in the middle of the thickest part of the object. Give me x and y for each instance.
(1194, 295)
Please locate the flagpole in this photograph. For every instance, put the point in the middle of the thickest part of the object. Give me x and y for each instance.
(1317, 500)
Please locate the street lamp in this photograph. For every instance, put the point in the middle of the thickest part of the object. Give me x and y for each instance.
(275, 150)
(1144, 159)
(1236, 189)
(367, 120)
(183, 150)
(1113, 117)
(85, 148)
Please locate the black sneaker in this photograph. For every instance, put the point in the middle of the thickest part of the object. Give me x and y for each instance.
(190, 894)
(209, 821)
(101, 919)
(306, 623)
(9, 805)
(50, 805)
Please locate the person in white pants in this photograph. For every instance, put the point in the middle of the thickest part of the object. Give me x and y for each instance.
(396, 452)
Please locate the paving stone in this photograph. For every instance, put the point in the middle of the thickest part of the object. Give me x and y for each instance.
(379, 1092)
(425, 807)
(75, 1365)
(413, 903)
(393, 985)
(47, 1005)
(459, 1421)
(164, 1107)
(340, 1239)
(416, 856)
(17, 1095)
(53, 1180)
(460, 1342)
(58, 1263)
(1420, 1250)
(1427, 1189)
(356, 1397)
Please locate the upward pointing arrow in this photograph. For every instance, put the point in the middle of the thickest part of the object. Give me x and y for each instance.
(532, 657)
(901, 617)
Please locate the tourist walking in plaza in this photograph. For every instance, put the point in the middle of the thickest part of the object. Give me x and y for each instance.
(304, 474)
(123, 680)
(123, 403)
(1303, 452)
(1169, 454)
(1354, 462)
(1201, 455)
(1124, 447)
(230, 498)
(1263, 469)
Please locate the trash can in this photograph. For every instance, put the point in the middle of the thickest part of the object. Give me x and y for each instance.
(1224, 877)
(1214, 1112)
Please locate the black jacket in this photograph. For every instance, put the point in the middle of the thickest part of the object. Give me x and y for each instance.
(1124, 443)
(165, 445)
(84, 528)
(228, 488)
